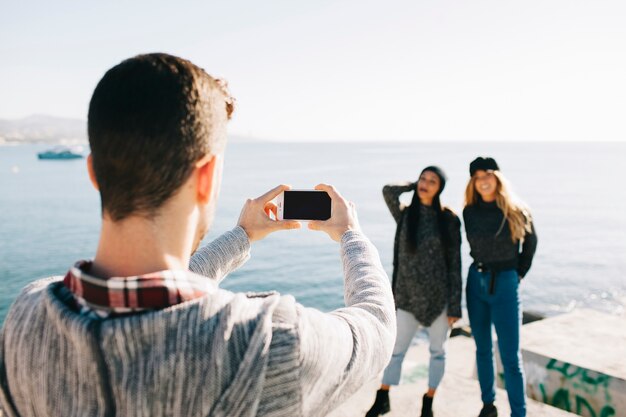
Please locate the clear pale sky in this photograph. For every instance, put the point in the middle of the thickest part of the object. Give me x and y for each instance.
(343, 70)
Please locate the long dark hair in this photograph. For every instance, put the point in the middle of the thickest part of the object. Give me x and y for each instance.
(413, 216)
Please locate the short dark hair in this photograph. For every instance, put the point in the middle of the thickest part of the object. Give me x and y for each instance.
(151, 118)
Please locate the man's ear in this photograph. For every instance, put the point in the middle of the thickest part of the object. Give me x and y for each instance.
(206, 171)
(92, 174)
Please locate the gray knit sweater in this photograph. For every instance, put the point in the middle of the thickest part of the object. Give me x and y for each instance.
(225, 354)
(427, 279)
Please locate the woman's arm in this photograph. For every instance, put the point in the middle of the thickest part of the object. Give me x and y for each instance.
(392, 193)
(528, 251)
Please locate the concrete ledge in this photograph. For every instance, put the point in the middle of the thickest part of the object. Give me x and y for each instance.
(577, 362)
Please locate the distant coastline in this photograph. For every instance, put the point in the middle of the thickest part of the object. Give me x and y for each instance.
(31, 141)
(52, 130)
(43, 129)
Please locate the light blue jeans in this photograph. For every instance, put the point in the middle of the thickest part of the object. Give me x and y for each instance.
(501, 309)
(438, 333)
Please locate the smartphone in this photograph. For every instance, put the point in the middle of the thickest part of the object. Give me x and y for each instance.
(303, 205)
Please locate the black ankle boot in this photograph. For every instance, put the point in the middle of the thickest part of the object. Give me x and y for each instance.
(381, 405)
(427, 406)
(489, 410)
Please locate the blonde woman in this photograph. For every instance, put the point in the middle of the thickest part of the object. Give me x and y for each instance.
(502, 241)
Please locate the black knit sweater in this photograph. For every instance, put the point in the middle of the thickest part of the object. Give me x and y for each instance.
(490, 241)
(427, 279)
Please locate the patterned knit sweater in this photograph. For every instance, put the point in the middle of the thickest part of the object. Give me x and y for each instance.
(428, 279)
(225, 354)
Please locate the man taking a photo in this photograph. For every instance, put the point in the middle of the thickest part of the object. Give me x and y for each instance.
(144, 329)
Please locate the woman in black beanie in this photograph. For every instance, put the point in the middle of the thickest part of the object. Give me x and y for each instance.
(502, 240)
(426, 278)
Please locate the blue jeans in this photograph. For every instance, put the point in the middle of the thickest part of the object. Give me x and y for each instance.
(438, 333)
(502, 308)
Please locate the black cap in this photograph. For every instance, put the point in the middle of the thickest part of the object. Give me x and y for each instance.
(440, 173)
(483, 164)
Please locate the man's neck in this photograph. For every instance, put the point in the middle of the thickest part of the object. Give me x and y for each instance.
(138, 246)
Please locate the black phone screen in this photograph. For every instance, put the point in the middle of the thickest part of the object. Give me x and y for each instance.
(306, 205)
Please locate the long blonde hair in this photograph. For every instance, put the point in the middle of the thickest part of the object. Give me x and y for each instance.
(517, 214)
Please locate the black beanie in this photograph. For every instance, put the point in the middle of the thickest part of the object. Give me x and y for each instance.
(442, 176)
(483, 164)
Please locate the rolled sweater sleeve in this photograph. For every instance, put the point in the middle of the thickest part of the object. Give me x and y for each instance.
(341, 350)
(222, 256)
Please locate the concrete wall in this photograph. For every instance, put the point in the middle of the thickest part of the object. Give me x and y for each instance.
(570, 387)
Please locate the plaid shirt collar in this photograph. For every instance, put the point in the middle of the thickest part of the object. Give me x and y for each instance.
(124, 295)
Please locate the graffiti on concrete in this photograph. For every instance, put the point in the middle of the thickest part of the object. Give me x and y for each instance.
(581, 391)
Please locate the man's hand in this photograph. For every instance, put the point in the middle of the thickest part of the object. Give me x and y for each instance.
(342, 215)
(452, 320)
(254, 217)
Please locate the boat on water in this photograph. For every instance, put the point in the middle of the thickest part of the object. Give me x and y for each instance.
(61, 152)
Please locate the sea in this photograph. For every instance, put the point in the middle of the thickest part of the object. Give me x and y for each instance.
(50, 214)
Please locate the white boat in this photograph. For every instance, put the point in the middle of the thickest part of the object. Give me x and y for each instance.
(61, 152)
